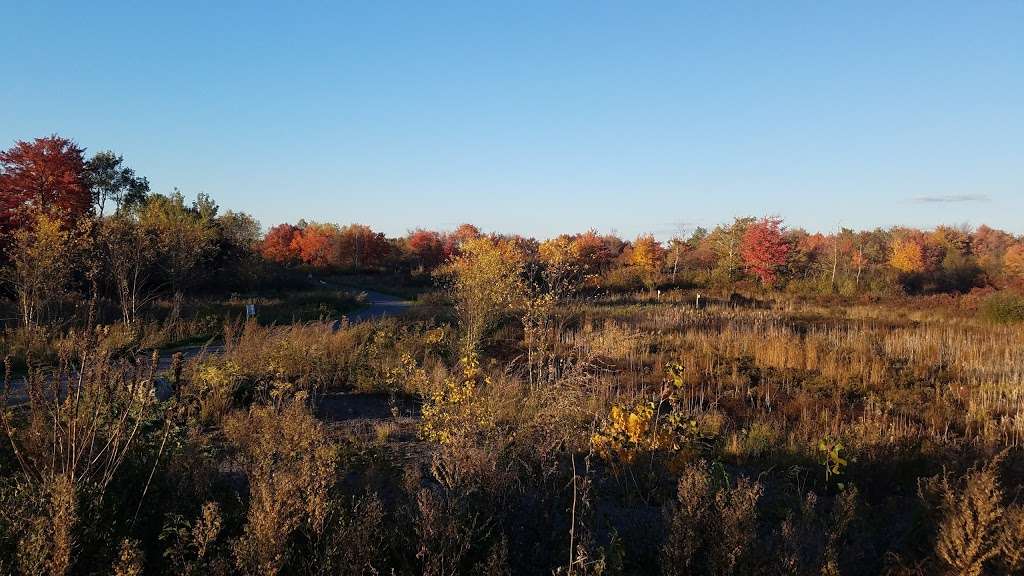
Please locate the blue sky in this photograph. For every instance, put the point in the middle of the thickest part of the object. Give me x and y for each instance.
(541, 117)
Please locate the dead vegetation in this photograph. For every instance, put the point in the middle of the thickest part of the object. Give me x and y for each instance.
(587, 437)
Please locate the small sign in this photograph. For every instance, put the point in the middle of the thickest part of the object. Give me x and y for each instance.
(250, 310)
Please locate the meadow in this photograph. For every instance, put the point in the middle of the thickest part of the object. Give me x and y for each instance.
(751, 399)
(614, 436)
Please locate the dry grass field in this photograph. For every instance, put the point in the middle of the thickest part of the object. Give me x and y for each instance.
(602, 436)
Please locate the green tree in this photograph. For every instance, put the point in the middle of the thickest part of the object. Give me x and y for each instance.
(108, 179)
(185, 238)
(726, 241)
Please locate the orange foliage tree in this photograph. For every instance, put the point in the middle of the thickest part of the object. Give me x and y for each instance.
(764, 249)
(326, 245)
(989, 246)
(648, 253)
(1013, 261)
(425, 248)
(592, 251)
(454, 240)
(277, 244)
(313, 244)
(465, 232)
(649, 256)
(358, 246)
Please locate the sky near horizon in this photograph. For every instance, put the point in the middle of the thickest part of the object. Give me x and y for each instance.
(541, 117)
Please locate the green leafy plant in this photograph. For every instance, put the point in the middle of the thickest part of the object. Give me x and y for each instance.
(830, 455)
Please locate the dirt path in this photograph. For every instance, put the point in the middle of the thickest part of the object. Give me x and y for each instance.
(389, 422)
(378, 305)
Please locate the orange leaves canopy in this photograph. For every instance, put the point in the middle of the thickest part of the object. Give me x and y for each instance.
(313, 244)
(326, 245)
(277, 244)
(1013, 261)
(648, 253)
(764, 249)
(426, 248)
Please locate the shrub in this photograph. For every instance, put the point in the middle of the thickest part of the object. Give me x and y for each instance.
(712, 527)
(810, 542)
(290, 466)
(455, 411)
(628, 432)
(130, 560)
(624, 279)
(486, 284)
(977, 532)
(666, 426)
(194, 547)
(358, 538)
(1003, 307)
(213, 386)
(79, 457)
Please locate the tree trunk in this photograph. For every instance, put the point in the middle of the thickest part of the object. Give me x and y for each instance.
(176, 308)
(835, 264)
(675, 266)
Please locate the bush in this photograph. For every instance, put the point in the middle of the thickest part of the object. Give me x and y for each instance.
(977, 533)
(289, 463)
(711, 527)
(1003, 308)
(624, 279)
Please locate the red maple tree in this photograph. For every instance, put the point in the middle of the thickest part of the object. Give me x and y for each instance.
(425, 247)
(764, 249)
(358, 246)
(45, 175)
(454, 240)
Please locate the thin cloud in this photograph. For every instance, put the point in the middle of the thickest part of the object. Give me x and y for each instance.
(952, 198)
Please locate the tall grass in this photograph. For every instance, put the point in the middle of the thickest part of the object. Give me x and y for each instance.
(604, 437)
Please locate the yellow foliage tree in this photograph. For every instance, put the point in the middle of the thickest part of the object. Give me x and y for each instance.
(648, 255)
(1013, 261)
(486, 284)
(40, 269)
(563, 268)
(907, 256)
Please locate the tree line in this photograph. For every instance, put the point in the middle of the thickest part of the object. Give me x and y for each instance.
(757, 253)
(72, 224)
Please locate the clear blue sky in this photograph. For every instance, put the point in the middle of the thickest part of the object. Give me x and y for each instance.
(541, 117)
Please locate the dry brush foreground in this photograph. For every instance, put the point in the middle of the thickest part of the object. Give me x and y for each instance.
(587, 437)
